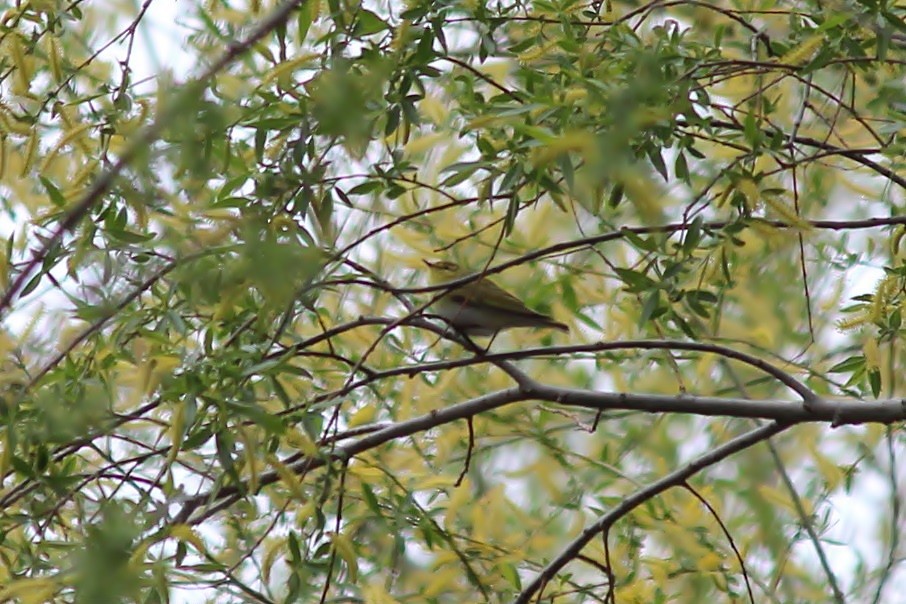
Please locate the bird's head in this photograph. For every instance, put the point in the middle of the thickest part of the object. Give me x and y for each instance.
(443, 270)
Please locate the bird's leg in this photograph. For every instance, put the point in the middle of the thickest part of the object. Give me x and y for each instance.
(487, 348)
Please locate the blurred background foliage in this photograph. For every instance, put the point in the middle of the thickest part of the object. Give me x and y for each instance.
(182, 335)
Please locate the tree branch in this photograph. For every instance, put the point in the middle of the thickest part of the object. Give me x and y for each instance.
(141, 143)
(675, 478)
(836, 412)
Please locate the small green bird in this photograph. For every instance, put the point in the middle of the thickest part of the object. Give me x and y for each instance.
(481, 307)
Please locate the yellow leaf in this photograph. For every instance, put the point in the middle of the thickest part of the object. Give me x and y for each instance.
(287, 476)
(137, 559)
(30, 591)
(442, 580)
(638, 592)
(830, 471)
(645, 194)
(363, 416)
(459, 498)
(659, 569)
(749, 189)
(683, 539)
(710, 562)
(343, 546)
(273, 548)
(577, 142)
(374, 593)
(425, 143)
(305, 511)
(365, 471)
(780, 498)
(183, 532)
(433, 482)
(434, 109)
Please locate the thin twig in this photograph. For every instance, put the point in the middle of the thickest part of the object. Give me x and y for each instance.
(629, 503)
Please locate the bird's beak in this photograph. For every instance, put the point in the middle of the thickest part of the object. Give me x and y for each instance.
(428, 263)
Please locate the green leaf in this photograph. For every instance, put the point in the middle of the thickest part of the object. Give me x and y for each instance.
(512, 211)
(31, 285)
(652, 308)
(324, 213)
(56, 198)
(306, 14)
(681, 168)
(851, 364)
(366, 187)
(697, 307)
(657, 160)
(895, 20)
(512, 176)
(224, 446)
(232, 202)
(637, 282)
(693, 236)
(260, 140)
(616, 195)
(833, 21)
(272, 424)
(752, 130)
(874, 380)
(368, 23)
(127, 236)
(896, 319)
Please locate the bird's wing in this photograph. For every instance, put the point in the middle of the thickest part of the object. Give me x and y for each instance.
(488, 294)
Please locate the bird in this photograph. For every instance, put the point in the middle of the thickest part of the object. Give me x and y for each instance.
(481, 307)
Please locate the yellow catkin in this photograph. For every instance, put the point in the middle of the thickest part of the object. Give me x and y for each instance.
(70, 136)
(749, 189)
(804, 51)
(536, 52)
(23, 73)
(721, 199)
(71, 126)
(400, 35)
(286, 68)
(54, 58)
(11, 124)
(144, 109)
(176, 431)
(76, 182)
(251, 456)
(896, 239)
(857, 320)
(872, 353)
(574, 94)
(2, 155)
(880, 298)
(28, 158)
(787, 214)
